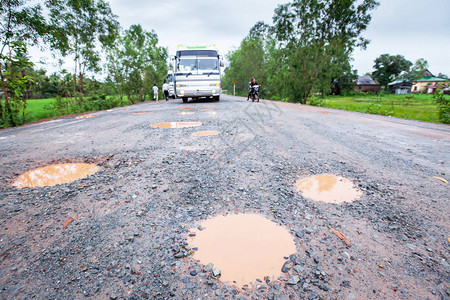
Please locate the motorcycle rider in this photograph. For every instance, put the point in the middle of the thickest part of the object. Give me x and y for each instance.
(251, 90)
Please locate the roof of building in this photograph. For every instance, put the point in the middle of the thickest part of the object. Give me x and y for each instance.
(430, 79)
(366, 80)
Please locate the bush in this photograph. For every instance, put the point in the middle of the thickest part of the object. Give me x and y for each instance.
(315, 101)
(443, 104)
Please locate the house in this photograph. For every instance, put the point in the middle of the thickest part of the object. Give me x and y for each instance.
(427, 84)
(400, 87)
(366, 84)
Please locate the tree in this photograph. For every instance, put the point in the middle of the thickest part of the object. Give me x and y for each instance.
(418, 70)
(137, 63)
(19, 24)
(77, 28)
(389, 67)
(244, 63)
(311, 33)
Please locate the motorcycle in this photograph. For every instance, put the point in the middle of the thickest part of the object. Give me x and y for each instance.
(254, 93)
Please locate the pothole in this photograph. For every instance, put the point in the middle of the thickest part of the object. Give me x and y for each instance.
(328, 188)
(176, 124)
(141, 112)
(186, 113)
(206, 133)
(188, 108)
(245, 247)
(55, 174)
(86, 116)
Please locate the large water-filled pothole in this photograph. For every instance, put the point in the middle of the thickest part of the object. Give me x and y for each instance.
(55, 174)
(245, 247)
(176, 124)
(206, 133)
(328, 188)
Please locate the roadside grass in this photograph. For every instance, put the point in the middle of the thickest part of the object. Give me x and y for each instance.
(415, 107)
(39, 109)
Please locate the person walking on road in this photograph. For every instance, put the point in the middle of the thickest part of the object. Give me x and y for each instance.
(155, 92)
(165, 89)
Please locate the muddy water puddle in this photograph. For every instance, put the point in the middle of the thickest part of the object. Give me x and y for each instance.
(55, 174)
(86, 117)
(244, 247)
(176, 124)
(328, 188)
(187, 108)
(206, 133)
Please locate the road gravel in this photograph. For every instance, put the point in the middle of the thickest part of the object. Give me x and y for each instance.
(122, 233)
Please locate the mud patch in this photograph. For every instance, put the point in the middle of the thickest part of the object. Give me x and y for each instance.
(176, 124)
(86, 117)
(328, 188)
(55, 174)
(245, 247)
(206, 133)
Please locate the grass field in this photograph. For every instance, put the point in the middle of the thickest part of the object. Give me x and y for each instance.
(38, 109)
(416, 107)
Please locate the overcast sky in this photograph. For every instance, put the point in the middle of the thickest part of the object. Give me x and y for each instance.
(412, 28)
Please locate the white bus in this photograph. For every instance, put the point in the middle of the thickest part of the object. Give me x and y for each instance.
(197, 73)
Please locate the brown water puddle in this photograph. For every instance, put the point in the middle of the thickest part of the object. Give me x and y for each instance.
(186, 113)
(206, 133)
(328, 188)
(244, 247)
(176, 124)
(86, 117)
(55, 174)
(188, 108)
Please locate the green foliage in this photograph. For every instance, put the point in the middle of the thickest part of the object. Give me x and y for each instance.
(378, 109)
(443, 104)
(137, 63)
(307, 50)
(389, 67)
(316, 101)
(15, 82)
(76, 29)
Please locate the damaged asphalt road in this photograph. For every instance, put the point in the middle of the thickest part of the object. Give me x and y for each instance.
(123, 232)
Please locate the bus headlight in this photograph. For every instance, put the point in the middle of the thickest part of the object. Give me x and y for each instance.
(181, 92)
(213, 91)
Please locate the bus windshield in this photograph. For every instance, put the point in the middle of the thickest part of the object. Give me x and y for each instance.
(197, 66)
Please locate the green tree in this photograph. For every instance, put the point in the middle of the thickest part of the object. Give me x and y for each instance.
(78, 26)
(137, 63)
(244, 63)
(418, 70)
(20, 23)
(389, 67)
(313, 33)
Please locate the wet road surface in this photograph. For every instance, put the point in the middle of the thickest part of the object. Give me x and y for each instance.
(125, 231)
